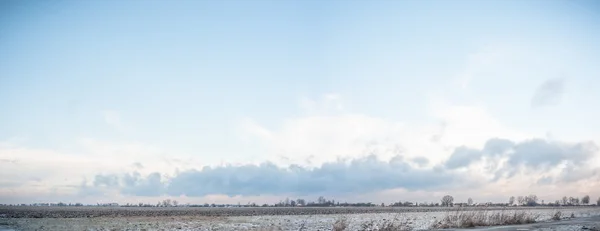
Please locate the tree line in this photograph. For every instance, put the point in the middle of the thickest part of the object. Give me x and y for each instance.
(446, 201)
(530, 200)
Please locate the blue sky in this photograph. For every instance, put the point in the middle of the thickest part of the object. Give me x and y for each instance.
(208, 83)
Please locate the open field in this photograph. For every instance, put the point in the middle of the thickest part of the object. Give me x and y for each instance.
(355, 218)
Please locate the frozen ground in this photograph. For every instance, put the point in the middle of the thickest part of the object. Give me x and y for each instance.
(418, 220)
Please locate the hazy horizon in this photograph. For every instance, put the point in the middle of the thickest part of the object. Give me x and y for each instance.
(256, 101)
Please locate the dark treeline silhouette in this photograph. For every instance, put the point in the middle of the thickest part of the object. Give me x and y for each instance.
(446, 201)
(321, 202)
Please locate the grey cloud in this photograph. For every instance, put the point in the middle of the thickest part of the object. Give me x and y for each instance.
(85, 190)
(362, 175)
(134, 184)
(138, 165)
(496, 146)
(534, 154)
(437, 137)
(462, 157)
(420, 161)
(356, 176)
(128, 184)
(538, 153)
(549, 93)
(105, 180)
(576, 172)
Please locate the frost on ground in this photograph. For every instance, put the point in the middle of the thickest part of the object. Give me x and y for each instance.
(358, 221)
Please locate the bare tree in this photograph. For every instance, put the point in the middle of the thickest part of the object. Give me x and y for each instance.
(511, 200)
(470, 201)
(572, 201)
(447, 200)
(175, 203)
(531, 200)
(565, 201)
(166, 203)
(321, 200)
(585, 200)
(521, 200)
(598, 201)
(301, 202)
(576, 201)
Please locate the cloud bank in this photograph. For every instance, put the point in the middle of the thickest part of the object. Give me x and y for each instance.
(367, 174)
(360, 175)
(534, 153)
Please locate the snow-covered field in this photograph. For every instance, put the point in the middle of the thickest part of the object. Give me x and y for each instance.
(416, 221)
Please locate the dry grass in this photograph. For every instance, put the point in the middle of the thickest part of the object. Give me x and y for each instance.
(387, 225)
(557, 216)
(395, 226)
(340, 224)
(303, 224)
(468, 219)
(269, 229)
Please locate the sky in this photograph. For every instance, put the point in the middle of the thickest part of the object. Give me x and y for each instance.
(256, 101)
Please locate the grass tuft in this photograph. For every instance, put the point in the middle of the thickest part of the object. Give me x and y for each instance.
(557, 216)
(340, 224)
(469, 219)
(387, 225)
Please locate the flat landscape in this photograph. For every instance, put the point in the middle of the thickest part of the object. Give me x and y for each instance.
(350, 218)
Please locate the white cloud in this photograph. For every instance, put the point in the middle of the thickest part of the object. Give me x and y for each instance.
(325, 137)
(44, 171)
(470, 125)
(113, 119)
(328, 104)
(324, 132)
(484, 61)
(510, 63)
(13, 141)
(250, 129)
